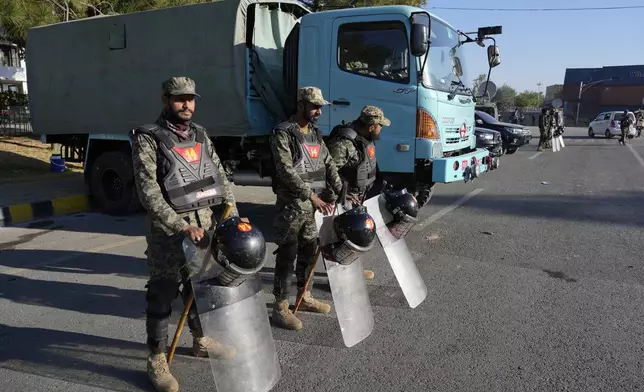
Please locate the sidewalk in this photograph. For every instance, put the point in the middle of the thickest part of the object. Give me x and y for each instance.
(41, 198)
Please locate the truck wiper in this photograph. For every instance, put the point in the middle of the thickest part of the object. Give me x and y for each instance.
(455, 85)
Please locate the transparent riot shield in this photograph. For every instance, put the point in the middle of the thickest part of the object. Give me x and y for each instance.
(391, 238)
(237, 318)
(348, 288)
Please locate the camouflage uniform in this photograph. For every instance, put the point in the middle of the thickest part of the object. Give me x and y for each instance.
(295, 229)
(344, 152)
(164, 227)
(625, 124)
(545, 122)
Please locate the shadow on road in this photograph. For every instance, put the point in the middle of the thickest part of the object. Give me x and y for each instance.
(78, 297)
(79, 358)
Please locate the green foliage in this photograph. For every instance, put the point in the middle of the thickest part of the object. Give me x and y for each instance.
(529, 99)
(480, 79)
(12, 98)
(505, 97)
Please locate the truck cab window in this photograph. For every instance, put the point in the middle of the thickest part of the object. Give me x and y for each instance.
(375, 49)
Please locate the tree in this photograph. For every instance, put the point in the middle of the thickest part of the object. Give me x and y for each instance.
(529, 99)
(478, 81)
(505, 97)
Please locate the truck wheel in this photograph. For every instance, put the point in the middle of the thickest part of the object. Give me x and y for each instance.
(512, 150)
(112, 184)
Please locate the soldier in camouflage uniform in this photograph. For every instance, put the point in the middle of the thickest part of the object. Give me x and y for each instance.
(304, 169)
(545, 123)
(170, 219)
(354, 154)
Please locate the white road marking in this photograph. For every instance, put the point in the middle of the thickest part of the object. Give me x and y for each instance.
(637, 156)
(536, 155)
(77, 254)
(447, 210)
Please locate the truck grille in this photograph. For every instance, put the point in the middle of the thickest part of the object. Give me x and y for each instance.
(453, 135)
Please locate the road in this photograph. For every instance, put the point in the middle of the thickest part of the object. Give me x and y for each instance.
(534, 274)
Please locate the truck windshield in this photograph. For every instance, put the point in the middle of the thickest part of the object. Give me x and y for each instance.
(444, 47)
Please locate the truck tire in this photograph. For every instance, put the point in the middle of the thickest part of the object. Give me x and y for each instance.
(512, 150)
(112, 184)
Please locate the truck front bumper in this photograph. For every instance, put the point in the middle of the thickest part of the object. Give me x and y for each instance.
(463, 167)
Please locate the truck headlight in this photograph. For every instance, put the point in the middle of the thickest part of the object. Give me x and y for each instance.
(485, 136)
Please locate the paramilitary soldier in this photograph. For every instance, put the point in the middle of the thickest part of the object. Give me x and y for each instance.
(545, 131)
(178, 177)
(354, 154)
(304, 169)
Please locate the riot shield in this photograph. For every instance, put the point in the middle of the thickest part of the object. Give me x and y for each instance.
(348, 288)
(391, 236)
(235, 316)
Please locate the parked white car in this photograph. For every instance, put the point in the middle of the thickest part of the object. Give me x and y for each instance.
(607, 124)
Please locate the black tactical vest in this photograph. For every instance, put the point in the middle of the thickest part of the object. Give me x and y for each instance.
(186, 173)
(307, 154)
(363, 175)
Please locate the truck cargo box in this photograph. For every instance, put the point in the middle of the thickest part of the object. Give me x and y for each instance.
(103, 75)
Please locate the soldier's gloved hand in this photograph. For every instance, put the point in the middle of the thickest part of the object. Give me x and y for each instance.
(323, 207)
(354, 199)
(194, 233)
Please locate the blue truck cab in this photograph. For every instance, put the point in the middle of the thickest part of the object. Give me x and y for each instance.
(409, 63)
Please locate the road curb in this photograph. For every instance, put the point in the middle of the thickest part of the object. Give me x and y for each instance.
(20, 213)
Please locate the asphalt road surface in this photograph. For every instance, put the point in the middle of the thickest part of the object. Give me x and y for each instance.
(534, 274)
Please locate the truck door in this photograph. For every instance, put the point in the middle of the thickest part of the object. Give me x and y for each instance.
(371, 65)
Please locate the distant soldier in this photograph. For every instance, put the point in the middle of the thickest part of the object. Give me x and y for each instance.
(544, 126)
(162, 152)
(625, 123)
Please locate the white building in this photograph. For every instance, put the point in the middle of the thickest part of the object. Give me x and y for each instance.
(13, 72)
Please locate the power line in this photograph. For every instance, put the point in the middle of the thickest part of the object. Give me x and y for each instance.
(626, 7)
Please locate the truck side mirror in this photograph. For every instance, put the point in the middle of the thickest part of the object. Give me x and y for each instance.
(493, 56)
(420, 23)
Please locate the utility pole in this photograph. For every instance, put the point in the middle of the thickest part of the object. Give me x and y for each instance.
(583, 87)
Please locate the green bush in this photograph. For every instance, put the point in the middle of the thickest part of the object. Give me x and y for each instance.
(12, 98)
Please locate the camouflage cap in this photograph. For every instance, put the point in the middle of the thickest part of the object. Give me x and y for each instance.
(179, 85)
(374, 115)
(311, 94)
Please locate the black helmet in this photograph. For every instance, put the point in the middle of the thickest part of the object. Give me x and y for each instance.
(402, 205)
(239, 246)
(357, 227)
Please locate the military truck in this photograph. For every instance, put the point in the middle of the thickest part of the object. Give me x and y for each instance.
(93, 80)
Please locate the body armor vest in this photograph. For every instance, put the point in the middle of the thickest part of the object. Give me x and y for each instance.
(308, 156)
(363, 175)
(186, 173)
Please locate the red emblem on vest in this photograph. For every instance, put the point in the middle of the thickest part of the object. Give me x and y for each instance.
(371, 150)
(190, 154)
(313, 151)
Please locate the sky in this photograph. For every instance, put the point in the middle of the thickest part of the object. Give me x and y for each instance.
(539, 46)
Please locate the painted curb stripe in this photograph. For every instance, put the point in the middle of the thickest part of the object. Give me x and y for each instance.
(21, 213)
